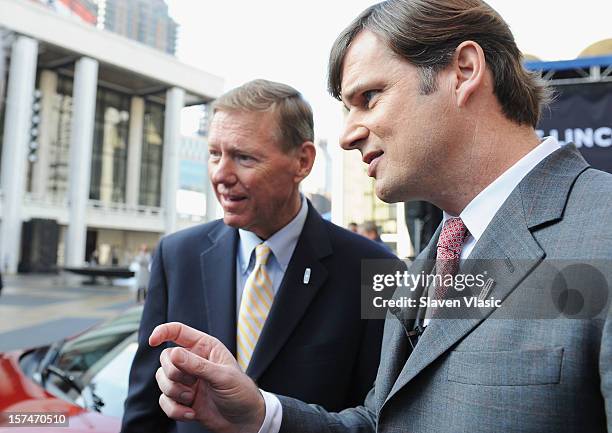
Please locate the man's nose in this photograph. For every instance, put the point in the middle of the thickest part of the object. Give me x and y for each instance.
(353, 135)
(223, 172)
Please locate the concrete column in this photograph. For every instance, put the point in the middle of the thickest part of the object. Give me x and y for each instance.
(81, 143)
(134, 157)
(213, 207)
(40, 174)
(404, 246)
(329, 172)
(111, 118)
(19, 98)
(5, 38)
(337, 185)
(337, 162)
(175, 101)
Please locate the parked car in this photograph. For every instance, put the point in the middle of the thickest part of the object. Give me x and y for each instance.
(84, 377)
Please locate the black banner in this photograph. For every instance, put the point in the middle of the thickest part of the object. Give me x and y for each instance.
(582, 114)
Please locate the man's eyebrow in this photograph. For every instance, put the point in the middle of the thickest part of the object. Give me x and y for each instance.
(352, 91)
(243, 147)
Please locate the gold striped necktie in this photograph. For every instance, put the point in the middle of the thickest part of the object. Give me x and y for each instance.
(257, 298)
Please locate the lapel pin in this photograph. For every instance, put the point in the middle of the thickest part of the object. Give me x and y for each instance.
(306, 275)
(486, 289)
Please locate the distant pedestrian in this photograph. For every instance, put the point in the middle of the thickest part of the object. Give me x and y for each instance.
(94, 258)
(114, 257)
(352, 226)
(1, 284)
(142, 274)
(369, 229)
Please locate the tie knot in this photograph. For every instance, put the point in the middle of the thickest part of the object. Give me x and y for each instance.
(451, 239)
(262, 253)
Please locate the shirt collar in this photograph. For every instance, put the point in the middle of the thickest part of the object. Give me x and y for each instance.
(480, 211)
(282, 243)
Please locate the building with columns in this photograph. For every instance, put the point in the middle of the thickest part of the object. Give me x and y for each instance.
(90, 134)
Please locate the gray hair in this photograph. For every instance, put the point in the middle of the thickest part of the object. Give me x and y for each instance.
(293, 114)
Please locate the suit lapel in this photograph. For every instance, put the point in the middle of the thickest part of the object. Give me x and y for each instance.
(423, 264)
(293, 296)
(219, 279)
(396, 341)
(497, 253)
(507, 250)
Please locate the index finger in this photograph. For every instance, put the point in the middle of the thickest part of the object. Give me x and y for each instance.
(178, 333)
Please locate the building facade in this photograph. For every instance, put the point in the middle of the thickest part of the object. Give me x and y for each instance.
(145, 21)
(90, 139)
(86, 10)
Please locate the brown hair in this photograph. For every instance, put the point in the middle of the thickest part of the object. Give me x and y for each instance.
(426, 34)
(294, 115)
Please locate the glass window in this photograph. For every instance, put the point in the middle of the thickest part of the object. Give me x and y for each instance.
(81, 353)
(60, 132)
(152, 155)
(110, 146)
(2, 105)
(96, 363)
(109, 377)
(3, 87)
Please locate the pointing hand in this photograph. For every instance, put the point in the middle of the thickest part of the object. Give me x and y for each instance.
(202, 381)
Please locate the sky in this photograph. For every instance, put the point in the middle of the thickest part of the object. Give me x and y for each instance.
(289, 40)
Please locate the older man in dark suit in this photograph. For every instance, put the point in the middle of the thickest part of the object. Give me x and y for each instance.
(273, 281)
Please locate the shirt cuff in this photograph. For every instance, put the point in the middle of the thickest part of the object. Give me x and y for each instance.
(274, 413)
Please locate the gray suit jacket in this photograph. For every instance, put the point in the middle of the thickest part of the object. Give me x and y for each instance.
(495, 373)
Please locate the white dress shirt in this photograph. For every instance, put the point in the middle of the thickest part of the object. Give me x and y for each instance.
(282, 244)
(480, 211)
(476, 216)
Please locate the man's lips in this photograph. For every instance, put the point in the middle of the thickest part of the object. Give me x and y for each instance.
(370, 156)
(372, 159)
(231, 199)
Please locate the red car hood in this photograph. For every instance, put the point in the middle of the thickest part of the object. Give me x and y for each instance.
(20, 394)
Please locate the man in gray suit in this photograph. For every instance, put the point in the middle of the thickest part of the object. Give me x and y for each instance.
(442, 110)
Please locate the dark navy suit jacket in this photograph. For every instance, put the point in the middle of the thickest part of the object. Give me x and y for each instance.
(314, 345)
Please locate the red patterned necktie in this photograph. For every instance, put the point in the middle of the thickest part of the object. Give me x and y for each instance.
(453, 235)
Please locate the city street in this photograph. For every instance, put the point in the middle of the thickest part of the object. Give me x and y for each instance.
(39, 309)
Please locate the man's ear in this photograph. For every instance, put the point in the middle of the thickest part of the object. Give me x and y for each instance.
(306, 154)
(469, 67)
